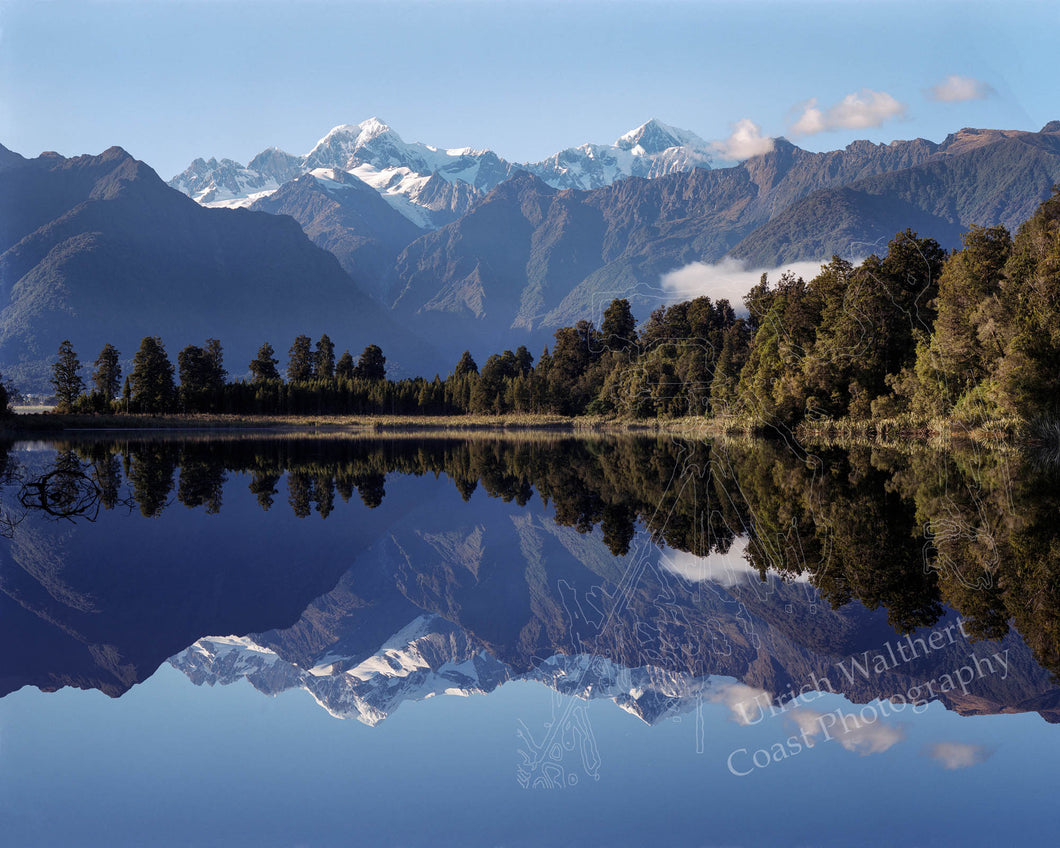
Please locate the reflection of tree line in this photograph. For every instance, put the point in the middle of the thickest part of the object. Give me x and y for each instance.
(195, 473)
(612, 484)
(910, 531)
(906, 531)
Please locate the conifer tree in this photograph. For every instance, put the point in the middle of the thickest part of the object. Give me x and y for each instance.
(619, 327)
(465, 366)
(300, 360)
(371, 365)
(152, 377)
(344, 367)
(66, 378)
(107, 374)
(325, 358)
(263, 367)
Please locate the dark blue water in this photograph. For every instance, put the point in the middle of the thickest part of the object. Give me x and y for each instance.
(446, 665)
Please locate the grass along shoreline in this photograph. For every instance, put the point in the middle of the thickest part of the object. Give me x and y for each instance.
(30, 423)
(941, 432)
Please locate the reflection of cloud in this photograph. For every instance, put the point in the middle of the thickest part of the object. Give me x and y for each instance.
(958, 755)
(728, 278)
(745, 140)
(745, 702)
(957, 89)
(726, 570)
(851, 731)
(857, 111)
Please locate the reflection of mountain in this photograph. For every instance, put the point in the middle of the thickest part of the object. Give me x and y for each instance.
(102, 604)
(460, 577)
(422, 668)
(474, 601)
(103, 613)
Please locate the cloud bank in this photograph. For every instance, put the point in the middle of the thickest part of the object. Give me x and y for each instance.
(745, 141)
(857, 111)
(728, 279)
(957, 89)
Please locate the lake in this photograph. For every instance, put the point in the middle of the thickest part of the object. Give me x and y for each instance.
(279, 639)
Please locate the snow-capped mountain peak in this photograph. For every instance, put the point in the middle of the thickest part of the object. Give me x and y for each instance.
(372, 128)
(651, 150)
(656, 137)
(431, 185)
(358, 135)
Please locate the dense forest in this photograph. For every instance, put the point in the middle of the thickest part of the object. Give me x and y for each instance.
(917, 333)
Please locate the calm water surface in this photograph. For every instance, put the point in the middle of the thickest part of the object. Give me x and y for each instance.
(303, 641)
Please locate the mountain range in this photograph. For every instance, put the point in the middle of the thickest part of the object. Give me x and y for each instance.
(429, 251)
(532, 247)
(403, 172)
(447, 603)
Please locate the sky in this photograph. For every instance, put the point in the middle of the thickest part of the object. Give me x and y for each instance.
(170, 81)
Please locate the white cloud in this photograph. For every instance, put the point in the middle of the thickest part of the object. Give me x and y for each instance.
(745, 141)
(811, 121)
(728, 279)
(958, 755)
(957, 89)
(854, 733)
(857, 111)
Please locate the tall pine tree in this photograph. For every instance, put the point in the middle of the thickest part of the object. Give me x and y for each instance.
(107, 374)
(263, 367)
(325, 358)
(300, 360)
(151, 381)
(66, 378)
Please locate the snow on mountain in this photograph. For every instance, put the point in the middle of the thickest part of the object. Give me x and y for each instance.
(651, 150)
(223, 183)
(430, 185)
(428, 200)
(377, 154)
(657, 137)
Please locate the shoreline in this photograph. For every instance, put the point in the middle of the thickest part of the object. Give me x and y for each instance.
(881, 433)
(50, 423)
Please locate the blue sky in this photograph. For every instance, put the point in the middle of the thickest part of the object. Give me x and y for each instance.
(173, 80)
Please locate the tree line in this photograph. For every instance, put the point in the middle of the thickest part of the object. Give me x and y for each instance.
(970, 334)
(315, 382)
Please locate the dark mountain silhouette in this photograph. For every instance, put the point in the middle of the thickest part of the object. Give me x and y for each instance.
(98, 249)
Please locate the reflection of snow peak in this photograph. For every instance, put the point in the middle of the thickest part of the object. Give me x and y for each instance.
(727, 570)
(427, 657)
(431, 656)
